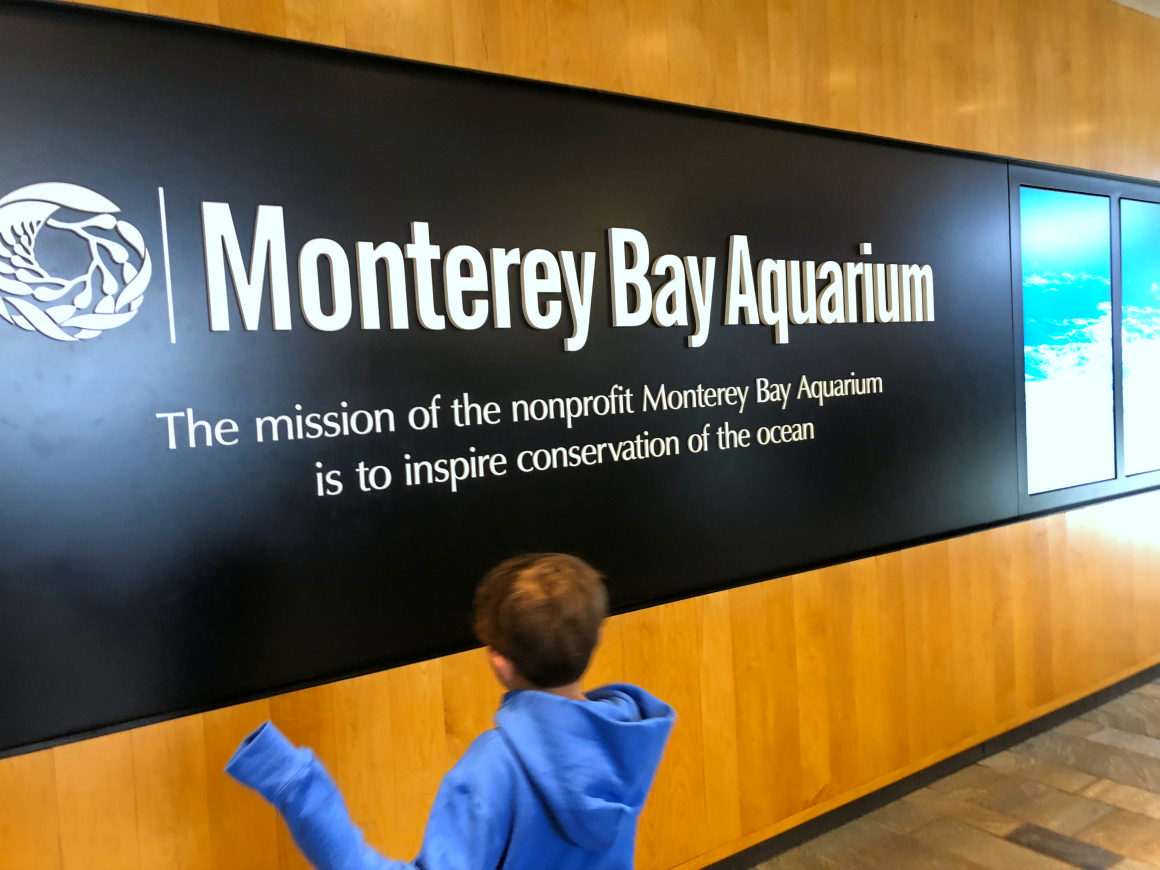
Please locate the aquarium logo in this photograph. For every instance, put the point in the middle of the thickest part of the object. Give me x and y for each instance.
(69, 267)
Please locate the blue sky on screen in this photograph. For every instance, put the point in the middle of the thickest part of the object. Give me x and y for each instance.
(1140, 239)
(1140, 275)
(1067, 337)
(1066, 253)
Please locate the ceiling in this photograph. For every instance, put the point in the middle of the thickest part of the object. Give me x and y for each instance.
(1149, 7)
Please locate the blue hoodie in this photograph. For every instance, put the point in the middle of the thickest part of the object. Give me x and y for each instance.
(556, 784)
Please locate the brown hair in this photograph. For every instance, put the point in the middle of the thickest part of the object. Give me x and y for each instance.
(543, 612)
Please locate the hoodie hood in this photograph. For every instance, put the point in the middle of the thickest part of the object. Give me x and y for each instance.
(590, 762)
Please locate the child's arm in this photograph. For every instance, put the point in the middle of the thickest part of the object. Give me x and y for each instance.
(460, 835)
(298, 786)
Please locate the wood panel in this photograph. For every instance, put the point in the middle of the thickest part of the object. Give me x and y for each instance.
(171, 782)
(97, 803)
(1060, 81)
(794, 695)
(29, 818)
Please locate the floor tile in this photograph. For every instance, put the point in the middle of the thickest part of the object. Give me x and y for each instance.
(866, 846)
(1078, 728)
(1014, 764)
(964, 811)
(804, 858)
(991, 852)
(1133, 864)
(1007, 797)
(1085, 794)
(974, 776)
(1133, 742)
(850, 845)
(1138, 714)
(1129, 834)
(1125, 797)
(902, 816)
(1148, 690)
(972, 794)
(1066, 849)
(1062, 812)
(798, 859)
(1107, 762)
(915, 855)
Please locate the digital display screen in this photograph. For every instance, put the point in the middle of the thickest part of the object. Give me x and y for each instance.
(1067, 338)
(1140, 280)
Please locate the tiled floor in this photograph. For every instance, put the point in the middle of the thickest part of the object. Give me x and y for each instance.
(1085, 794)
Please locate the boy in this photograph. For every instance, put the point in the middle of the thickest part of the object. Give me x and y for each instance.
(556, 785)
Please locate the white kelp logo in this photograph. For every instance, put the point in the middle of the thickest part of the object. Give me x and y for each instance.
(59, 276)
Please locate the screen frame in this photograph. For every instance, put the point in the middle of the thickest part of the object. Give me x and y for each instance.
(1115, 188)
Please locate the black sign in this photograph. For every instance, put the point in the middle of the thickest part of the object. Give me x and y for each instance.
(296, 343)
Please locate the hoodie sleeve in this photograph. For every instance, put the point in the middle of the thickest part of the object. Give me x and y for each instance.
(296, 783)
(464, 831)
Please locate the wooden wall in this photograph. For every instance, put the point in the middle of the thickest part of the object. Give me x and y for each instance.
(1061, 81)
(795, 695)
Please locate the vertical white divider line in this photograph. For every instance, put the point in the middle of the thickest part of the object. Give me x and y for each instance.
(168, 278)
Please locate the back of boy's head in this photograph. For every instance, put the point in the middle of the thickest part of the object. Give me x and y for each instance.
(543, 613)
